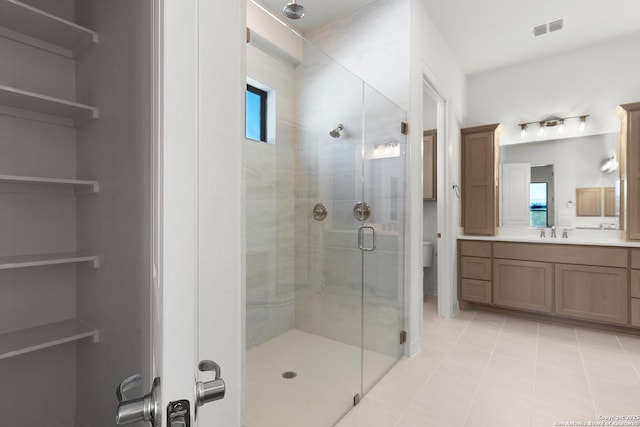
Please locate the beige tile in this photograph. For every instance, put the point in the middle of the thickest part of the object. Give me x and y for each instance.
(496, 407)
(372, 414)
(438, 332)
(563, 334)
(631, 344)
(598, 340)
(517, 346)
(488, 320)
(543, 415)
(563, 392)
(609, 365)
(478, 338)
(465, 363)
(560, 355)
(612, 398)
(397, 388)
(515, 375)
(520, 326)
(442, 396)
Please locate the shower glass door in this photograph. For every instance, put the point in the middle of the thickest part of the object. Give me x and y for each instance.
(382, 241)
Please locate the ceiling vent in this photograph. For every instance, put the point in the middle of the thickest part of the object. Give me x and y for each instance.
(548, 27)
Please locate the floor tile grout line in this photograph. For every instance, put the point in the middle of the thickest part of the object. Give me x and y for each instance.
(624, 350)
(484, 373)
(535, 374)
(586, 374)
(433, 372)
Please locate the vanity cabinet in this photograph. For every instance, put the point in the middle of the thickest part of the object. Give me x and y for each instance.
(635, 287)
(480, 162)
(592, 293)
(429, 165)
(552, 281)
(629, 146)
(475, 271)
(525, 285)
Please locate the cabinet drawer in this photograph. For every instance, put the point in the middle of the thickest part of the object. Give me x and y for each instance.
(476, 249)
(635, 283)
(605, 256)
(592, 293)
(475, 268)
(635, 312)
(523, 284)
(476, 291)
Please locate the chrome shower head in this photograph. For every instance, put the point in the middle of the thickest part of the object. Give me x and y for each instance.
(335, 133)
(293, 10)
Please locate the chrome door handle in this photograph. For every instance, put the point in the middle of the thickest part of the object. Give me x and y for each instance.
(209, 391)
(145, 408)
(361, 238)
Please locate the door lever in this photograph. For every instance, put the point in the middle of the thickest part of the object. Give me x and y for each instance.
(144, 408)
(209, 391)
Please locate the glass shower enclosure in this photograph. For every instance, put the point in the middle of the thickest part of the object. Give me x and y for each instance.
(325, 204)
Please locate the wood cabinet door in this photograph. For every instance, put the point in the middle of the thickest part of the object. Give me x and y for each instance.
(592, 293)
(429, 168)
(479, 181)
(589, 201)
(525, 285)
(633, 172)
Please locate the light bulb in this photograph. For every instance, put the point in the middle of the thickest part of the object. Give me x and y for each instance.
(375, 151)
(583, 123)
(561, 126)
(523, 131)
(541, 131)
(386, 149)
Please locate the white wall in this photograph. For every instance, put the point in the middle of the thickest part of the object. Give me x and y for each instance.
(592, 80)
(372, 42)
(432, 59)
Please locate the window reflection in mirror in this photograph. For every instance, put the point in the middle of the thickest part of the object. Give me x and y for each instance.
(564, 166)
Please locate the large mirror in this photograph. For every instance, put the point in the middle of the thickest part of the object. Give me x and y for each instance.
(569, 183)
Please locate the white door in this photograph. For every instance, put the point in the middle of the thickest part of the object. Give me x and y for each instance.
(197, 295)
(516, 182)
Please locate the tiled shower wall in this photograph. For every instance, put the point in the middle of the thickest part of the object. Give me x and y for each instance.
(270, 208)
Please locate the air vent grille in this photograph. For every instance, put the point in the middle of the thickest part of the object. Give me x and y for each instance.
(556, 25)
(548, 27)
(539, 30)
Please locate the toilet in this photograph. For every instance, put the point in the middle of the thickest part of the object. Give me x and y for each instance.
(427, 254)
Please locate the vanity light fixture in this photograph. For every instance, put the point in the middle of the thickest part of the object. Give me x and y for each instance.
(583, 123)
(523, 130)
(553, 121)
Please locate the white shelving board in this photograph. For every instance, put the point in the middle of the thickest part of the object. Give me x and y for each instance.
(33, 339)
(92, 185)
(46, 108)
(24, 261)
(30, 25)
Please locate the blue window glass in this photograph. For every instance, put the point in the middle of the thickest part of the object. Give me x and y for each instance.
(256, 114)
(538, 204)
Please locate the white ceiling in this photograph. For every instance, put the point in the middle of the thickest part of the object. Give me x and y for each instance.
(488, 34)
(485, 34)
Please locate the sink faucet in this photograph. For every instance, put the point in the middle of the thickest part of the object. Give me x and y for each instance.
(553, 232)
(542, 235)
(565, 233)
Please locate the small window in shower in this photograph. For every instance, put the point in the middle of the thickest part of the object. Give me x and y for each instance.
(256, 114)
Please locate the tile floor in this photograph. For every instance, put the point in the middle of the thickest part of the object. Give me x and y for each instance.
(487, 370)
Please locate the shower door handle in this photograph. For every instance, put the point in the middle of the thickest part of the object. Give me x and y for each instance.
(361, 238)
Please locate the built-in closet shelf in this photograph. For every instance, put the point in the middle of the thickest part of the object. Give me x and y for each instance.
(40, 107)
(45, 336)
(47, 259)
(35, 27)
(91, 185)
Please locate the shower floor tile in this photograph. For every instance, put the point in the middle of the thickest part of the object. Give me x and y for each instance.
(328, 377)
